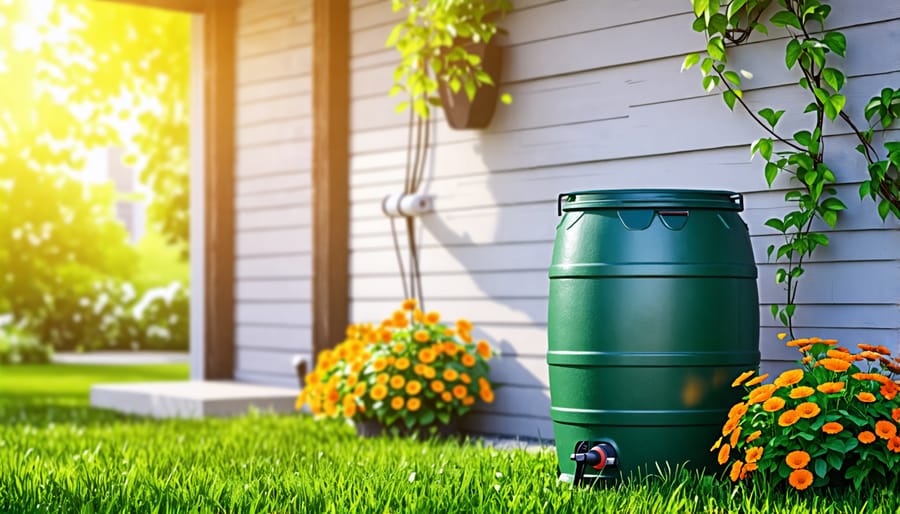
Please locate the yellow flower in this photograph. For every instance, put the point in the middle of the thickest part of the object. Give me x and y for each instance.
(447, 397)
(399, 319)
(349, 410)
(460, 391)
(419, 369)
(401, 364)
(397, 402)
(716, 445)
(429, 372)
(397, 381)
(398, 348)
(468, 360)
(413, 404)
(421, 336)
(360, 389)
(781, 336)
(761, 393)
(413, 387)
(382, 378)
(463, 325)
(487, 396)
(409, 304)
(450, 375)
(483, 348)
(832, 364)
(418, 316)
(379, 364)
(757, 380)
(437, 386)
(379, 392)
(432, 317)
(449, 332)
(450, 348)
(465, 378)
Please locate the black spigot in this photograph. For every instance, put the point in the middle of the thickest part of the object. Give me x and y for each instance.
(599, 456)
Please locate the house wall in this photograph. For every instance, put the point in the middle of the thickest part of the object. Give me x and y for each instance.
(599, 103)
(272, 193)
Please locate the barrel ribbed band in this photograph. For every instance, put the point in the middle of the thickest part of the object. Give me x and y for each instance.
(749, 359)
(638, 418)
(663, 270)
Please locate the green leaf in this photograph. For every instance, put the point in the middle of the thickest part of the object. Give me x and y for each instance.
(775, 223)
(830, 217)
(785, 19)
(729, 97)
(716, 49)
(734, 6)
(803, 137)
(771, 173)
(706, 65)
(506, 98)
(700, 7)
(833, 78)
(710, 82)
(689, 61)
(837, 103)
(792, 53)
(833, 204)
(774, 310)
(717, 24)
(836, 42)
(732, 77)
(771, 116)
(764, 147)
(883, 209)
(821, 468)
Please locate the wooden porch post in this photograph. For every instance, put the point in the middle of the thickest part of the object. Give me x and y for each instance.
(331, 203)
(219, 113)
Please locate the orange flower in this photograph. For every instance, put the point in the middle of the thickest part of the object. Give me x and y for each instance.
(716, 445)
(468, 401)
(413, 387)
(753, 437)
(748, 467)
(397, 402)
(487, 396)
(754, 454)
(873, 348)
(754, 381)
(459, 391)
(450, 348)
(835, 365)
(870, 356)
(429, 372)
(761, 393)
(885, 429)
(349, 410)
(736, 470)
(432, 317)
(832, 428)
(397, 381)
(413, 404)
(894, 444)
(773, 404)
(866, 437)
(797, 342)
(789, 378)
(419, 369)
(437, 386)
(401, 363)
(463, 325)
(465, 378)
(465, 336)
(399, 319)
(800, 479)
(781, 336)
(797, 459)
(385, 335)
(808, 410)
(895, 413)
(468, 360)
(418, 315)
(788, 418)
(735, 436)
(447, 397)
(450, 374)
(378, 392)
(483, 349)
(449, 332)
(831, 387)
(841, 355)
(889, 391)
(360, 389)
(743, 376)
(807, 359)
(802, 392)
(730, 425)
(426, 355)
(398, 347)
(379, 364)
(409, 304)
(865, 397)
(738, 410)
(421, 336)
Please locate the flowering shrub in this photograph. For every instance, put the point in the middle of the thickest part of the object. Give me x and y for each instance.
(409, 372)
(832, 421)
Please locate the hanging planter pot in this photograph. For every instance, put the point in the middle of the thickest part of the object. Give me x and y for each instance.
(464, 114)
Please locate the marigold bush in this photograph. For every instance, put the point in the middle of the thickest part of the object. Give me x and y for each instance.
(832, 421)
(409, 372)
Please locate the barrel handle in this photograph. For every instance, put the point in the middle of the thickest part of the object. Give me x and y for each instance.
(559, 200)
(738, 199)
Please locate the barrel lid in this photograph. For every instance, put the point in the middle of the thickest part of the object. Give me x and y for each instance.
(651, 199)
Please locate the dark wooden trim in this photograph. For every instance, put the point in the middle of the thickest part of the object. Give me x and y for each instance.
(191, 6)
(331, 220)
(219, 34)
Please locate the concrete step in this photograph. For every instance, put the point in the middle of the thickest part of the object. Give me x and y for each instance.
(194, 399)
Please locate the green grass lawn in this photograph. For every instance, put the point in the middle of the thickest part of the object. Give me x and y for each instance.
(58, 455)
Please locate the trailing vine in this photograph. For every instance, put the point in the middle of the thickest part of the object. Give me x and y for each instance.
(812, 50)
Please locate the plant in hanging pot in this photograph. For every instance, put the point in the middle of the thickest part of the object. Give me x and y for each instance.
(409, 374)
(449, 58)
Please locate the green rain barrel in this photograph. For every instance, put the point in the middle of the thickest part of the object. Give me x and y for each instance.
(653, 311)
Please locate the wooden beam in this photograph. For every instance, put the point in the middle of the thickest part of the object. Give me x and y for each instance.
(191, 6)
(219, 119)
(331, 220)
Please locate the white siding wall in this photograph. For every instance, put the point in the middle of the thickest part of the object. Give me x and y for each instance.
(272, 193)
(599, 103)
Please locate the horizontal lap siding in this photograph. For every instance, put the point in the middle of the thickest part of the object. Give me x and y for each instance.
(274, 128)
(599, 103)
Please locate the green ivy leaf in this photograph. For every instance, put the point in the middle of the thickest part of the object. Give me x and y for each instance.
(833, 78)
(700, 7)
(771, 173)
(716, 49)
(771, 116)
(732, 77)
(836, 42)
(785, 19)
(792, 53)
(821, 468)
(689, 61)
(729, 97)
